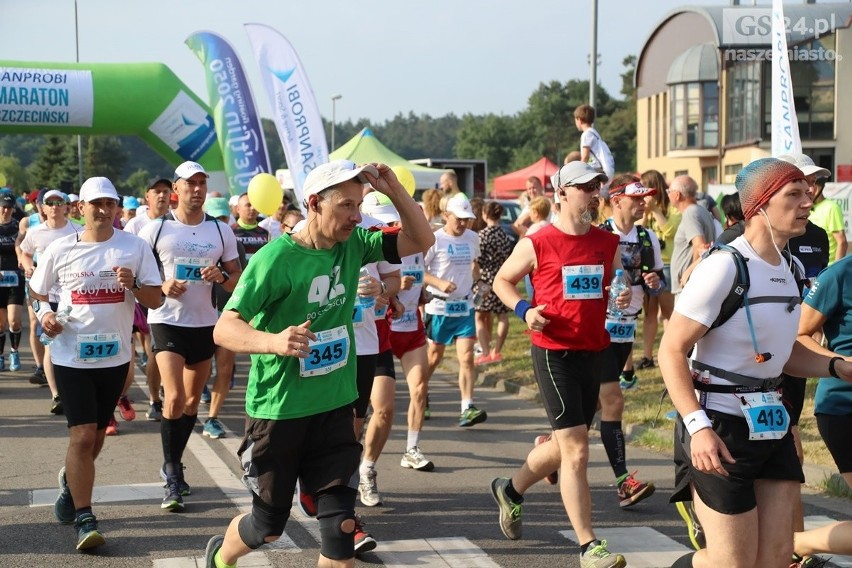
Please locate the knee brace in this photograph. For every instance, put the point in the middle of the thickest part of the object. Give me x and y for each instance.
(336, 516)
(255, 528)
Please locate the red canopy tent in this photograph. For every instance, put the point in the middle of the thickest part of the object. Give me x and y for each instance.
(510, 185)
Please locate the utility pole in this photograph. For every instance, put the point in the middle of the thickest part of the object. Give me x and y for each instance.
(593, 57)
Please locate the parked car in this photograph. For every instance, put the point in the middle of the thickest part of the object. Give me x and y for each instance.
(511, 212)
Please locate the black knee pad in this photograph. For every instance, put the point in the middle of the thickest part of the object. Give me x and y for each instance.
(336, 516)
(256, 527)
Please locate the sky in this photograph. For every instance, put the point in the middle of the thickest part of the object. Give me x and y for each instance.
(383, 57)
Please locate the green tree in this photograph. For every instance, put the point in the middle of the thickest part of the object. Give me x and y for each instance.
(51, 165)
(137, 183)
(15, 174)
(618, 127)
(490, 137)
(105, 157)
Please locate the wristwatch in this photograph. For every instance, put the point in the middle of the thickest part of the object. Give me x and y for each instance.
(225, 277)
(136, 285)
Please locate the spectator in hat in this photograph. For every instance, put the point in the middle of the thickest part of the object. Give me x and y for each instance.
(74, 214)
(130, 205)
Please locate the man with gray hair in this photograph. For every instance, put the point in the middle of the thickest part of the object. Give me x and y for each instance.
(696, 231)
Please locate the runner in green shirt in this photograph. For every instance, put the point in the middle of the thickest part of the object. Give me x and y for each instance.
(292, 310)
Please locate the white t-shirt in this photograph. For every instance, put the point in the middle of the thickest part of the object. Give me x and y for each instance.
(98, 333)
(601, 156)
(628, 245)
(38, 238)
(364, 316)
(136, 224)
(412, 265)
(451, 258)
(272, 226)
(184, 250)
(729, 346)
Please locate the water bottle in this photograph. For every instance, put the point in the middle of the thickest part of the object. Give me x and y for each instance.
(482, 290)
(617, 285)
(366, 301)
(62, 318)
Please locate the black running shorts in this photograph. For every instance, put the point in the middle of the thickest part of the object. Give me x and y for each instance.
(194, 344)
(613, 361)
(836, 432)
(569, 385)
(88, 395)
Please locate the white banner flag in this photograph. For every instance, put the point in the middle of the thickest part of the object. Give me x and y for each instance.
(294, 106)
(785, 126)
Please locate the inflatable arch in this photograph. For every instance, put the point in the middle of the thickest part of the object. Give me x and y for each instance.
(145, 99)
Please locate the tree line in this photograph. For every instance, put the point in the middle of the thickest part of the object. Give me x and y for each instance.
(509, 142)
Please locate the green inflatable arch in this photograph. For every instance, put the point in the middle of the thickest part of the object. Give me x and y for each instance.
(145, 99)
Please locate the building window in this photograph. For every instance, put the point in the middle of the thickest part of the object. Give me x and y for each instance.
(694, 115)
(709, 176)
(650, 127)
(743, 103)
(813, 90)
(731, 172)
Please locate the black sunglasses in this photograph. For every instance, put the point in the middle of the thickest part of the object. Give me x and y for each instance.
(589, 187)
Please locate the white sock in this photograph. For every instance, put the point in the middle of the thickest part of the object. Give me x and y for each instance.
(413, 438)
(465, 403)
(366, 466)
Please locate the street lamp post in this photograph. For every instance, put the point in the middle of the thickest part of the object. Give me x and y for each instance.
(334, 99)
(79, 137)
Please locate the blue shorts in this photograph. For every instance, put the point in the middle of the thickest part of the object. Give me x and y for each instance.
(445, 330)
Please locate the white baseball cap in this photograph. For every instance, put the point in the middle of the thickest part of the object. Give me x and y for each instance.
(379, 206)
(188, 169)
(806, 164)
(328, 175)
(98, 188)
(55, 193)
(576, 173)
(459, 205)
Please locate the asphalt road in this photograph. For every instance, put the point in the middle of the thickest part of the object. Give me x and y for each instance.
(444, 518)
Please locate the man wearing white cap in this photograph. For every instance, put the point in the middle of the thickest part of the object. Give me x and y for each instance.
(450, 271)
(825, 213)
(99, 274)
(195, 251)
(298, 326)
(570, 263)
(35, 241)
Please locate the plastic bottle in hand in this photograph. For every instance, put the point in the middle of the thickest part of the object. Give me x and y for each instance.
(481, 291)
(617, 286)
(364, 277)
(62, 318)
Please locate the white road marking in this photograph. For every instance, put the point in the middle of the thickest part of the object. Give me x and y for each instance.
(456, 552)
(642, 547)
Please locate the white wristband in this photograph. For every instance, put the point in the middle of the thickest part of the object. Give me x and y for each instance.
(43, 309)
(695, 421)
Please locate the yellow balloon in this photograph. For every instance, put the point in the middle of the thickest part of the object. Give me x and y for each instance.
(2, 179)
(406, 178)
(265, 193)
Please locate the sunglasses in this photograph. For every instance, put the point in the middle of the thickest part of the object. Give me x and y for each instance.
(54, 203)
(589, 187)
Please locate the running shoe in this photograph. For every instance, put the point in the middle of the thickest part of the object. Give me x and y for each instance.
(64, 508)
(646, 363)
(414, 459)
(482, 360)
(213, 428)
(364, 541)
(206, 397)
(496, 358)
(87, 532)
(632, 491)
(38, 377)
(809, 562)
(472, 416)
(625, 383)
(155, 411)
(112, 427)
(125, 408)
(56, 406)
(693, 525)
(369, 490)
(307, 503)
(597, 556)
(173, 501)
(510, 512)
(553, 477)
(183, 485)
(14, 361)
(213, 546)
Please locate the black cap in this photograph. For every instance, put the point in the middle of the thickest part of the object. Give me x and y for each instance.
(7, 200)
(154, 182)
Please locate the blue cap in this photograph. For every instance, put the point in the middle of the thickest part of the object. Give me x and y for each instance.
(130, 202)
